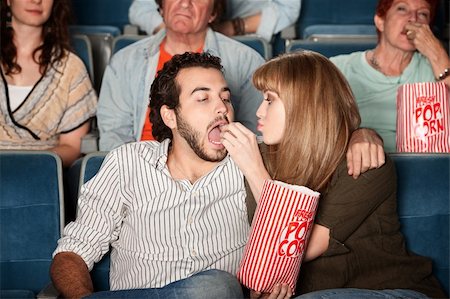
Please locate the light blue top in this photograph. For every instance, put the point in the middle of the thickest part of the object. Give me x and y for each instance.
(376, 93)
(125, 91)
(144, 13)
(276, 14)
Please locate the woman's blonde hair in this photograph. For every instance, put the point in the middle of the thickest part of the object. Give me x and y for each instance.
(321, 115)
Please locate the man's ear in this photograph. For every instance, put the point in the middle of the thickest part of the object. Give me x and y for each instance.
(379, 23)
(168, 117)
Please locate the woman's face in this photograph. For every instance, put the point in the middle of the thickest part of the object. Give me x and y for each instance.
(30, 12)
(271, 118)
(402, 12)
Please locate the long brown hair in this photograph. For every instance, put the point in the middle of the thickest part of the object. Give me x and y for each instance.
(321, 114)
(55, 37)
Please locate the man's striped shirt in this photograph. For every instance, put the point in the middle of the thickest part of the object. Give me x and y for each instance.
(161, 230)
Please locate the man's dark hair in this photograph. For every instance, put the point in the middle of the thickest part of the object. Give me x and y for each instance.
(166, 91)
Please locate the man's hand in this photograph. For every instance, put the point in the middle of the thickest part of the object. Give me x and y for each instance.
(365, 151)
(280, 291)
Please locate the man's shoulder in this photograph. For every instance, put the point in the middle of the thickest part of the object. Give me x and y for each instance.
(136, 50)
(231, 50)
(147, 150)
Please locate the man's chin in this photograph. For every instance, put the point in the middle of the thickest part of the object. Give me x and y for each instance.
(215, 155)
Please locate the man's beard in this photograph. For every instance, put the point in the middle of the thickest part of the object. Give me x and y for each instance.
(192, 137)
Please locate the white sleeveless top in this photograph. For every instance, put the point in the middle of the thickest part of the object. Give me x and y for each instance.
(17, 94)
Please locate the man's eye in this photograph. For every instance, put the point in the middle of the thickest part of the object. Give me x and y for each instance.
(202, 100)
(226, 100)
(268, 100)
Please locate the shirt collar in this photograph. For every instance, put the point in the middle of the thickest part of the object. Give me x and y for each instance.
(159, 159)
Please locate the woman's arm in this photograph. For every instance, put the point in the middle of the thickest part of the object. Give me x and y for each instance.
(272, 18)
(421, 36)
(145, 15)
(69, 147)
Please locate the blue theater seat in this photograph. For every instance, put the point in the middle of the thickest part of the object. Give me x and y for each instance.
(122, 41)
(338, 17)
(259, 44)
(31, 219)
(83, 48)
(331, 48)
(101, 38)
(423, 207)
(89, 167)
(101, 12)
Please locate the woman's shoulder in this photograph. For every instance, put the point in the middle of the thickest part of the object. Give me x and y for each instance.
(345, 59)
(73, 62)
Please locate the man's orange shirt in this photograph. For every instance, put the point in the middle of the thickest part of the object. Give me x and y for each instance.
(164, 56)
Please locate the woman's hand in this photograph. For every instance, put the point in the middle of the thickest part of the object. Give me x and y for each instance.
(279, 292)
(243, 148)
(421, 36)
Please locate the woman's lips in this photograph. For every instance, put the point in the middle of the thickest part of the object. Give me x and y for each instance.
(259, 127)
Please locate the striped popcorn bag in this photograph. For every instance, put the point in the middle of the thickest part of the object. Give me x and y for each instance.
(280, 231)
(423, 118)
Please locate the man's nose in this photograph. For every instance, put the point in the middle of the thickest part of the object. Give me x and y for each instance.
(222, 107)
(185, 3)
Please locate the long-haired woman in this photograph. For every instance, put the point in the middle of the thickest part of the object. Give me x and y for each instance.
(46, 96)
(306, 119)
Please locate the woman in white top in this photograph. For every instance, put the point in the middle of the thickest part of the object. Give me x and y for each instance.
(46, 96)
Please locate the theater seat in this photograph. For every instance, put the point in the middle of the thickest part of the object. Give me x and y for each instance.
(330, 48)
(31, 219)
(423, 207)
(90, 165)
(83, 48)
(122, 41)
(257, 43)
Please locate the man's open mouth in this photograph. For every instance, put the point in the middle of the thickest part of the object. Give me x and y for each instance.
(214, 133)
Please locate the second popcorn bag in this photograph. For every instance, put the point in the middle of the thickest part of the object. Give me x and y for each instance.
(280, 232)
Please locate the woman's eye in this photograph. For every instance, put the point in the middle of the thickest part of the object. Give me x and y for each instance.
(227, 100)
(423, 15)
(202, 100)
(269, 101)
(401, 8)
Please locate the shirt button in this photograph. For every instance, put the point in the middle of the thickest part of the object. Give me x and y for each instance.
(190, 220)
(194, 253)
(195, 194)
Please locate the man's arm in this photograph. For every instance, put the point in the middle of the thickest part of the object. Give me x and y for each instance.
(115, 111)
(365, 151)
(145, 14)
(70, 275)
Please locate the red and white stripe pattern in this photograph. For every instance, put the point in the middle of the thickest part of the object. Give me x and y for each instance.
(423, 117)
(280, 231)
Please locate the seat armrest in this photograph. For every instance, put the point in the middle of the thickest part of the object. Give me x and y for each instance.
(49, 292)
(130, 29)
